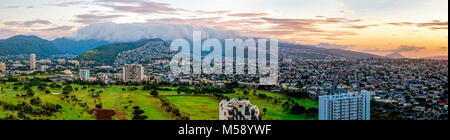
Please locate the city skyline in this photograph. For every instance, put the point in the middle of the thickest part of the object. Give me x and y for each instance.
(414, 28)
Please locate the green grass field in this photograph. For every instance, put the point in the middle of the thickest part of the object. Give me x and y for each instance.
(115, 97)
(276, 111)
(198, 108)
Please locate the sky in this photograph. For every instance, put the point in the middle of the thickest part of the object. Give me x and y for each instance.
(414, 28)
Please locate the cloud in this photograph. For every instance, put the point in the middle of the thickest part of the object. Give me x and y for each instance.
(433, 25)
(59, 28)
(71, 3)
(12, 7)
(360, 26)
(12, 23)
(5, 32)
(246, 15)
(132, 32)
(400, 49)
(406, 48)
(27, 23)
(138, 6)
(402, 23)
(381, 5)
(300, 30)
(305, 27)
(91, 18)
(211, 12)
(37, 21)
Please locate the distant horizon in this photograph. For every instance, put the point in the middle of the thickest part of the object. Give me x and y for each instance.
(414, 28)
(296, 43)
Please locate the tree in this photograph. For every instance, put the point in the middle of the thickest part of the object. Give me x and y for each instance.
(35, 101)
(150, 87)
(55, 85)
(99, 106)
(297, 109)
(30, 93)
(312, 111)
(265, 111)
(246, 92)
(154, 93)
(47, 91)
(300, 85)
(137, 114)
(42, 87)
(67, 90)
(296, 93)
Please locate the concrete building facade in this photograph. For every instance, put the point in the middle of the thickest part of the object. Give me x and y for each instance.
(133, 73)
(2, 67)
(344, 107)
(84, 75)
(32, 61)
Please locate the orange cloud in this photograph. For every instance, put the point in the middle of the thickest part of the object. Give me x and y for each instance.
(433, 25)
(247, 15)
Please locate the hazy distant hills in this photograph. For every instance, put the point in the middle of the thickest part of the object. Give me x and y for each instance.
(152, 49)
(20, 44)
(438, 58)
(105, 52)
(395, 56)
(312, 52)
(77, 47)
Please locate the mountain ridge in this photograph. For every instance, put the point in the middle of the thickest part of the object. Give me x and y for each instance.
(21, 44)
(78, 47)
(395, 55)
(107, 54)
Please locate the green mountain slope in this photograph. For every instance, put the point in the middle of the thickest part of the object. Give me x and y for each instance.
(27, 44)
(77, 47)
(106, 55)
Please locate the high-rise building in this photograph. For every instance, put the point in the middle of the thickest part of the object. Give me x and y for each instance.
(32, 61)
(133, 73)
(84, 75)
(344, 107)
(2, 67)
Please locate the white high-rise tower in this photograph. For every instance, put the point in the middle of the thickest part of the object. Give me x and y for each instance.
(32, 61)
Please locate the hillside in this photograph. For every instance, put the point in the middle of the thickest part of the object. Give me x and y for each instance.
(145, 51)
(28, 44)
(438, 58)
(312, 52)
(107, 54)
(77, 47)
(395, 56)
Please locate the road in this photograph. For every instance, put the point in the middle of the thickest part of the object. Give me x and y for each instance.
(335, 83)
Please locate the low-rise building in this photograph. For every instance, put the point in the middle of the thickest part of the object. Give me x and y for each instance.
(236, 109)
(2, 67)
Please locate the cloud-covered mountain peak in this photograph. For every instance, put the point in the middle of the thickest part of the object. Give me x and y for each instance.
(114, 32)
